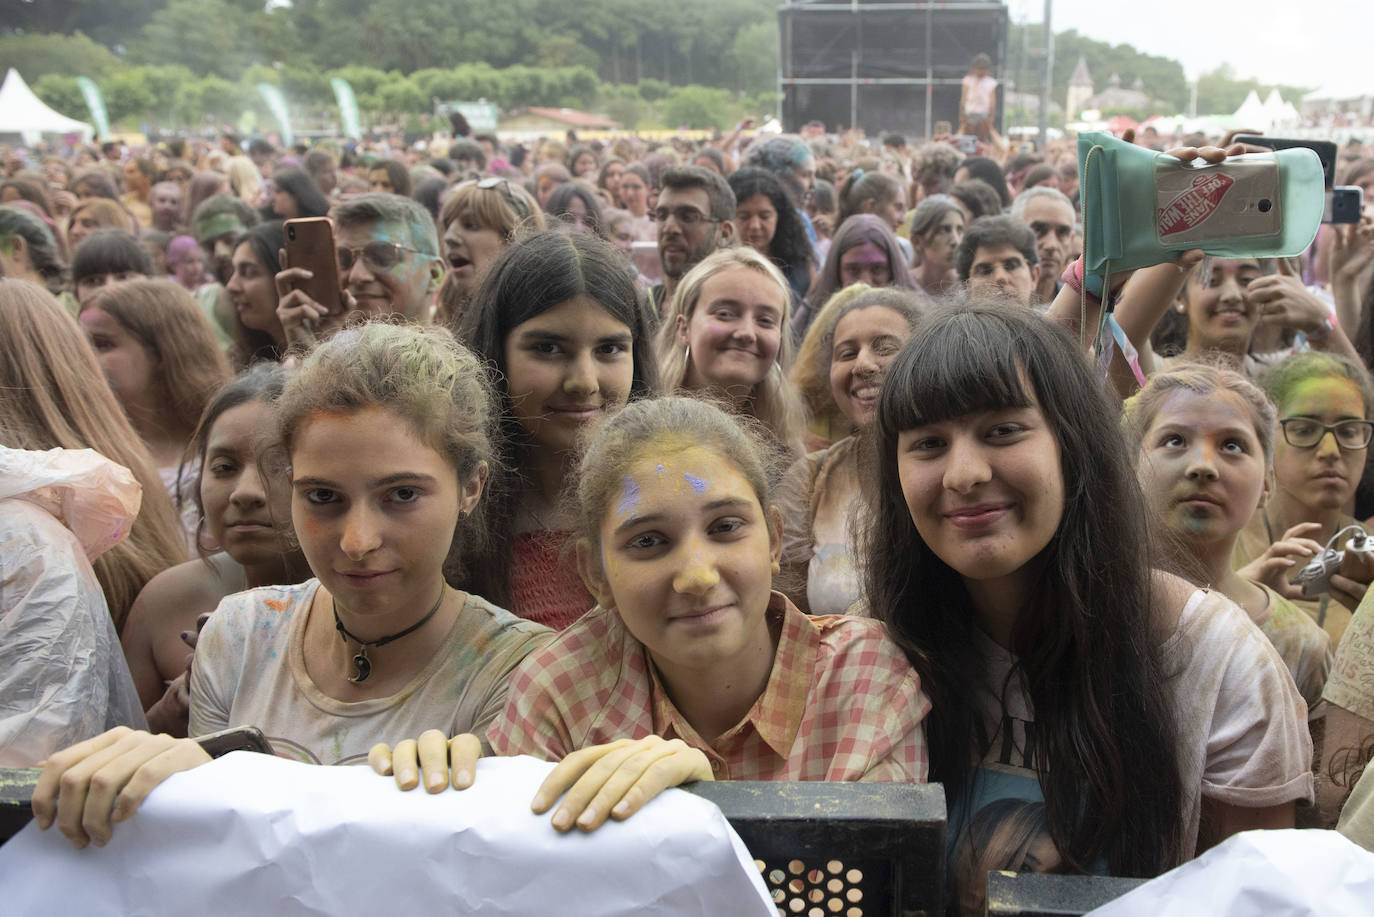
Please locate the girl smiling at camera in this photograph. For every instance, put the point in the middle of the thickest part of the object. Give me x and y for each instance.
(728, 336)
(385, 428)
(1008, 555)
(559, 319)
(690, 667)
(1204, 440)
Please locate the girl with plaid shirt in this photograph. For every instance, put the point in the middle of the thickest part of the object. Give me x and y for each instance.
(690, 667)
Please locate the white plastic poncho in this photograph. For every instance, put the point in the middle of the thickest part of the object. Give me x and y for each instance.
(63, 677)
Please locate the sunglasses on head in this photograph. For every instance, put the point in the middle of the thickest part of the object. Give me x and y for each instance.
(506, 190)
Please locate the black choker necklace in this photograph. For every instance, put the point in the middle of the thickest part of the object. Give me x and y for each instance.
(361, 664)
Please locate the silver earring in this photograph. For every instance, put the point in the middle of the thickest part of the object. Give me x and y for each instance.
(687, 355)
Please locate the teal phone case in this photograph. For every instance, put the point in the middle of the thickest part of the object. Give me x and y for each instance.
(1122, 218)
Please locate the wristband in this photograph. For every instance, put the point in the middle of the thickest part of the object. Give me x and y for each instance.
(1073, 279)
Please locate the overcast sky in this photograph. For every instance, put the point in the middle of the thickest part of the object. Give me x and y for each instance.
(1316, 43)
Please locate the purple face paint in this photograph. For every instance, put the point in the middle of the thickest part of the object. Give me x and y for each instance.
(697, 483)
(868, 253)
(629, 497)
(660, 471)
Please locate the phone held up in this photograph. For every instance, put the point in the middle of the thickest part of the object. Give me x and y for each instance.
(310, 245)
(1344, 203)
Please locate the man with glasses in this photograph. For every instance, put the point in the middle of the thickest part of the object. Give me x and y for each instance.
(388, 256)
(695, 215)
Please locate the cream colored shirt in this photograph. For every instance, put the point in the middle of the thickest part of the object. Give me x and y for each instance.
(250, 671)
(1303, 646)
(821, 502)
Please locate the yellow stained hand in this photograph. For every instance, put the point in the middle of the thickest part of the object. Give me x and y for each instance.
(616, 780)
(102, 780)
(439, 759)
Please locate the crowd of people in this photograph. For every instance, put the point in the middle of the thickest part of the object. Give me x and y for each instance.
(828, 486)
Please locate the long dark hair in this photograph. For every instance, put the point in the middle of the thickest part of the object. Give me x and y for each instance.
(310, 201)
(260, 383)
(251, 345)
(1086, 652)
(790, 249)
(559, 206)
(531, 276)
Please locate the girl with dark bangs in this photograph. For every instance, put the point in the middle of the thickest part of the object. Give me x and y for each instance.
(1009, 556)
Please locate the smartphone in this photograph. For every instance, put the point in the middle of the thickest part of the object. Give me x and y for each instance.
(1236, 199)
(236, 738)
(1344, 204)
(310, 244)
(1325, 150)
(965, 143)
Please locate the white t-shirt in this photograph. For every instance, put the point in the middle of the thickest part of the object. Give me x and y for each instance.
(1242, 729)
(978, 94)
(250, 671)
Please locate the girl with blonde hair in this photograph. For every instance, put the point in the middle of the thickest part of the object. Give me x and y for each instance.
(479, 219)
(245, 182)
(727, 336)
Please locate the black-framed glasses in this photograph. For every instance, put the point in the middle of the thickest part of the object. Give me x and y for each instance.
(502, 185)
(1304, 432)
(685, 216)
(378, 255)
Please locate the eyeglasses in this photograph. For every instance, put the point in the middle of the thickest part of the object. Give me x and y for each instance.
(379, 256)
(1304, 433)
(685, 216)
(496, 183)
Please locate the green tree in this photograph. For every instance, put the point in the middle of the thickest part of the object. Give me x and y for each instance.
(697, 107)
(402, 96)
(35, 56)
(206, 36)
(61, 93)
(1220, 92)
(128, 94)
(563, 51)
(211, 100)
(621, 103)
(110, 22)
(1163, 78)
(653, 90)
(754, 55)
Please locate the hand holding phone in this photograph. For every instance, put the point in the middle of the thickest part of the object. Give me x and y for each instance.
(308, 287)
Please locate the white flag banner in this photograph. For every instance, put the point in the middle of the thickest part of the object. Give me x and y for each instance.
(1260, 874)
(251, 834)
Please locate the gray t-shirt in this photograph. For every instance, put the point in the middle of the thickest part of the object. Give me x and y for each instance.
(250, 671)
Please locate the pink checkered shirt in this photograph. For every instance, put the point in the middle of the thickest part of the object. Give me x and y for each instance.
(842, 702)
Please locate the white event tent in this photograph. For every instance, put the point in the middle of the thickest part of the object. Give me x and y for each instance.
(1252, 115)
(23, 113)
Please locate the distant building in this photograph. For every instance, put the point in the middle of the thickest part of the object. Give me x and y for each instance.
(1116, 97)
(1080, 90)
(1081, 96)
(536, 120)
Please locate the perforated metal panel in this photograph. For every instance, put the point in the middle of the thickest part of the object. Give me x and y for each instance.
(833, 888)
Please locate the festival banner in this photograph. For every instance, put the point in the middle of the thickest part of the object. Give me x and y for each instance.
(96, 103)
(348, 108)
(276, 103)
